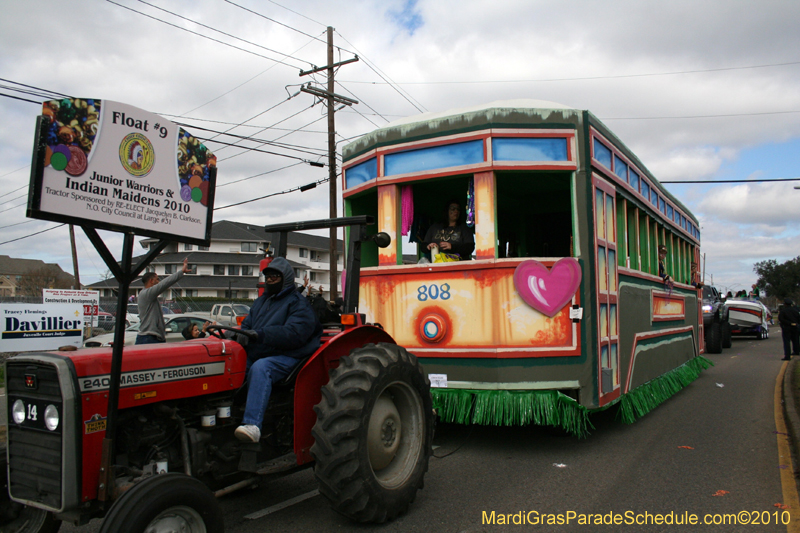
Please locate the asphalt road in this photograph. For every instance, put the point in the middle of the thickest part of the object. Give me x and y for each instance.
(712, 448)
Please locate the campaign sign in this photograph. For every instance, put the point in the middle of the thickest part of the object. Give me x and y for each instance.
(90, 300)
(28, 327)
(113, 166)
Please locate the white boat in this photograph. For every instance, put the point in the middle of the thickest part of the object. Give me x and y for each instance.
(748, 317)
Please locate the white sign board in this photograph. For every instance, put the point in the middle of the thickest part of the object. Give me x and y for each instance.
(114, 166)
(29, 327)
(90, 300)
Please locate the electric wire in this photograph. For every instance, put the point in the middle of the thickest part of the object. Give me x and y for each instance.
(280, 137)
(15, 190)
(296, 13)
(17, 224)
(17, 198)
(765, 180)
(246, 150)
(224, 33)
(361, 101)
(295, 147)
(270, 195)
(261, 113)
(585, 78)
(243, 83)
(201, 35)
(275, 21)
(32, 234)
(257, 175)
(405, 94)
(19, 98)
(230, 124)
(37, 88)
(16, 206)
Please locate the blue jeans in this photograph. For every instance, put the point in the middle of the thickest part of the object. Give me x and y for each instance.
(147, 339)
(260, 376)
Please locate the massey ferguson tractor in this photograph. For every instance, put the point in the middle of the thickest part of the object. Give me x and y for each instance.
(358, 411)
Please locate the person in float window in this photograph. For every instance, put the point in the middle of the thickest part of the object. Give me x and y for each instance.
(452, 236)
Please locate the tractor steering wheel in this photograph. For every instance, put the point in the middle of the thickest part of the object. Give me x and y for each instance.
(215, 330)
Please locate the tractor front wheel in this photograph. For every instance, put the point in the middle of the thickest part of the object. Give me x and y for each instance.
(373, 433)
(164, 503)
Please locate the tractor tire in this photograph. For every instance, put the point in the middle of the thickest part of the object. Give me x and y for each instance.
(165, 502)
(18, 518)
(372, 438)
(714, 338)
(727, 338)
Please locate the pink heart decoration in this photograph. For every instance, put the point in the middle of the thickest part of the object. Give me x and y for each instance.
(548, 291)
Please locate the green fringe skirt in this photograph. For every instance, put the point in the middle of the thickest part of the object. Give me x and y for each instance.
(552, 408)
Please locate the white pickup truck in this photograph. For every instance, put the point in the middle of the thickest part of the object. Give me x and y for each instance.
(226, 314)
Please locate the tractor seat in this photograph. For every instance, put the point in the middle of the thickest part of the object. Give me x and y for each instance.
(289, 380)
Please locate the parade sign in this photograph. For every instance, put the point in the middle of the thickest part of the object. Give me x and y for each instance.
(90, 300)
(28, 327)
(113, 166)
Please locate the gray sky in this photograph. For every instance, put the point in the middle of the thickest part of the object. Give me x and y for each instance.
(698, 90)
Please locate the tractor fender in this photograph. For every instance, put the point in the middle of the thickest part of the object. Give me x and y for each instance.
(314, 375)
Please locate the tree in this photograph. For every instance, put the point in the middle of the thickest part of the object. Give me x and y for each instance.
(781, 280)
(45, 277)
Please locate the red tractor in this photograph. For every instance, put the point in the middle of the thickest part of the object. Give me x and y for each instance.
(358, 411)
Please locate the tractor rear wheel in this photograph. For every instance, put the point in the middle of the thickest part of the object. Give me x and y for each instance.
(373, 433)
(714, 338)
(165, 502)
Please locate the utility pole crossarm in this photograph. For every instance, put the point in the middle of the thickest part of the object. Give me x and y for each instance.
(335, 65)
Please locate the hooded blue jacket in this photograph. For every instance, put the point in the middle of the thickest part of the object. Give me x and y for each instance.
(286, 324)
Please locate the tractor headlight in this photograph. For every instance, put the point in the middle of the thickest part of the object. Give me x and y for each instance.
(51, 417)
(18, 411)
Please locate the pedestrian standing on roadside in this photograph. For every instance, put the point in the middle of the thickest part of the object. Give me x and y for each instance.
(789, 319)
(151, 317)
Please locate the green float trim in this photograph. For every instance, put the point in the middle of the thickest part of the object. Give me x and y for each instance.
(646, 397)
(512, 408)
(552, 408)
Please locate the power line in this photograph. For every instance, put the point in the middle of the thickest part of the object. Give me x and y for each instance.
(265, 111)
(36, 88)
(32, 234)
(222, 32)
(275, 21)
(583, 78)
(201, 35)
(15, 190)
(19, 98)
(247, 150)
(16, 206)
(323, 180)
(705, 116)
(287, 146)
(260, 174)
(361, 101)
(243, 83)
(232, 124)
(17, 198)
(731, 181)
(17, 224)
(282, 136)
(376, 70)
(296, 13)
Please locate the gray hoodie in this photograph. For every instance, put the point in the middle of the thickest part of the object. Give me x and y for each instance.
(151, 318)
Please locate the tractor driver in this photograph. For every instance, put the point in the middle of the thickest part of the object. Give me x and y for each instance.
(288, 331)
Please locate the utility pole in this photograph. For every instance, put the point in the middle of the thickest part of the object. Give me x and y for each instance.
(77, 286)
(330, 98)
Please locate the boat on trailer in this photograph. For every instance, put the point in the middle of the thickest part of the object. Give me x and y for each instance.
(748, 317)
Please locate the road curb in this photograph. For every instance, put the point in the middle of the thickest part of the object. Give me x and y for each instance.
(792, 415)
